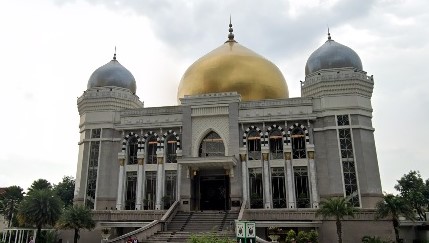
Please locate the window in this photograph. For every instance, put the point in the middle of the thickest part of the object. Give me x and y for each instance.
(254, 145)
(302, 192)
(212, 145)
(276, 144)
(347, 161)
(171, 149)
(170, 188)
(278, 187)
(343, 120)
(132, 150)
(130, 196)
(151, 150)
(91, 183)
(255, 188)
(298, 143)
(150, 189)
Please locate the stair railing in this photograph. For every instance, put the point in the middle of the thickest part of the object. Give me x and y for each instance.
(150, 229)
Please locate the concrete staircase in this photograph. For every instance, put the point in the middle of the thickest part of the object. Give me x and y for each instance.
(184, 224)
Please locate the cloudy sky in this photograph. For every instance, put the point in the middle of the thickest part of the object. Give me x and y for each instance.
(49, 48)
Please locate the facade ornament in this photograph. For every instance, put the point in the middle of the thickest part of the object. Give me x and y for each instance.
(311, 154)
(121, 162)
(287, 155)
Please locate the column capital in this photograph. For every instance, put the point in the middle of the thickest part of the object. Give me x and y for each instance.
(121, 162)
(310, 154)
(243, 157)
(160, 160)
(288, 155)
(265, 156)
(140, 161)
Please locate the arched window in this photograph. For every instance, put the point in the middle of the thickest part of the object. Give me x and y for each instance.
(132, 150)
(276, 144)
(298, 143)
(254, 145)
(171, 149)
(212, 145)
(152, 145)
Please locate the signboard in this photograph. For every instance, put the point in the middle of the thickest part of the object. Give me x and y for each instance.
(245, 231)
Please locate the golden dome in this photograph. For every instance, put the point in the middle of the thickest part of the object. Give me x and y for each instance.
(233, 67)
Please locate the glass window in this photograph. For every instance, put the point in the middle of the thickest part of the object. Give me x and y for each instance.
(150, 190)
(152, 145)
(302, 191)
(171, 149)
(298, 143)
(276, 144)
(278, 187)
(170, 188)
(96, 133)
(343, 120)
(92, 174)
(132, 150)
(256, 188)
(254, 145)
(212, 145)
(130, 196)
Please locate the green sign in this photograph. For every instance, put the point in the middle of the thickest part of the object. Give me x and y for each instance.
(245, 232)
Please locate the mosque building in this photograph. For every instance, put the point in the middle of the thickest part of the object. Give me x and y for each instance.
(236, 145)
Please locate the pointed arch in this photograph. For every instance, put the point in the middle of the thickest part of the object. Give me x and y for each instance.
(171, 141)
(151, 144)
(211, 145)
(276, 137)
(298, 138)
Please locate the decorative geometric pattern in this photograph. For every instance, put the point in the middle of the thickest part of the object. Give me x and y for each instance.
(289, 131)
(125, 141)
(148, 135)
(273, 127)
(166, 135)
(251, 128)
(343, 120)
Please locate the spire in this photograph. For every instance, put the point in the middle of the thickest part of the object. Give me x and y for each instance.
(230, 35)
(114, 55)
(329, 34)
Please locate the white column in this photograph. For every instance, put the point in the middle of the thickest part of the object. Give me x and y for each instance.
(179, 174)
(267, 194)
(120, 196)
(139, 198)
(313, 178)
(289, 177)
(159, 181)
(243, 159)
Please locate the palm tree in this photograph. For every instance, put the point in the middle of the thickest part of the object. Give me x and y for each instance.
(76, 217)
(9, 202)
(337, 207)
(40, 208)
(394, 206)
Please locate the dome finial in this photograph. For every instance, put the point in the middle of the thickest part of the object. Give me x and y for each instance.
(230, 35)
(329, 34)
(114, 55)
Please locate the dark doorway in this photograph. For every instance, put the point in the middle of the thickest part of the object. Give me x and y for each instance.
(214, 192)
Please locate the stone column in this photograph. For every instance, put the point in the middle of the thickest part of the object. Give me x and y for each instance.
(159, 180)
(289, 177)
(140, 180)
(120, 196)
(266, 167)
(243, 159)
(313, 178)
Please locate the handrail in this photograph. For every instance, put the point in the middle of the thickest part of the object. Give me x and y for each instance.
(260, 240)
(243, 206)
(165, 219)
(146, 227)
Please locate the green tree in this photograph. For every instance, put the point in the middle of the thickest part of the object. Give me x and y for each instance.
(394, 206)
(40, 208)
(39, 184)
(338, 208)
(414, 190)
(76, 218)
(65, 190)
(9, 202)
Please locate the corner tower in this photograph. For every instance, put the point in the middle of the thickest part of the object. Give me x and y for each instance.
(343, 132)
(111, 88)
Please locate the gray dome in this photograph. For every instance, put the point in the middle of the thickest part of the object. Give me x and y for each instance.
(332, 55)
(112, 74)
